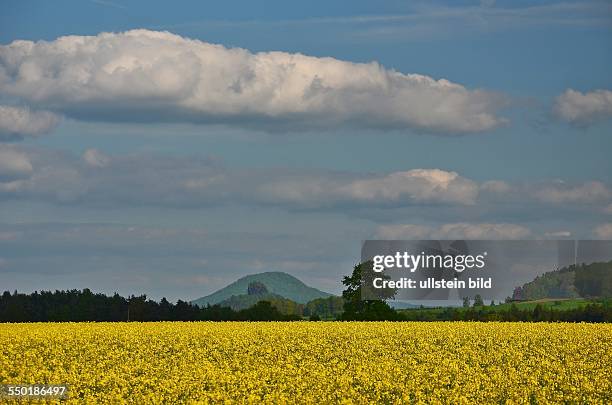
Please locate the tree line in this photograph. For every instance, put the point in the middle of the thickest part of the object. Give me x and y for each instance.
(358, 309)
(588, 313)
(85, 306)
(593, 280)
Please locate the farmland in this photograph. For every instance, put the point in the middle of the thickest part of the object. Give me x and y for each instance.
(454, 362)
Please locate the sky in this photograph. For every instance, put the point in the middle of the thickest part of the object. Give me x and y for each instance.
(163, 149)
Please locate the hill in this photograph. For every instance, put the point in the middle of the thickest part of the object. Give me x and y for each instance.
(245, 301)
(584, 280)
(279, 283)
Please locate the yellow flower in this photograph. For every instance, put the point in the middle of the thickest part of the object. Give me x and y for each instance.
(313, 362)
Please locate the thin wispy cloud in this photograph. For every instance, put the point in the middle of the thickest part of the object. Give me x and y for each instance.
(109, 4)
(444, 21)
(427, 19)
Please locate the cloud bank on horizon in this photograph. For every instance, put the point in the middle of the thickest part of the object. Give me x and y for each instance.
(143, 75)
(94, 178)
(461, 230)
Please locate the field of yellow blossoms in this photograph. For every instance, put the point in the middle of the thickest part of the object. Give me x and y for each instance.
(306, 362)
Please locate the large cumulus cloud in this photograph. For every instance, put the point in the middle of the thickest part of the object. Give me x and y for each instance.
(143, 75)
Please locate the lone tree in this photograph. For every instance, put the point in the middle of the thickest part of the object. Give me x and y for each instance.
(517, 294)
(478, 302)
(356, 308)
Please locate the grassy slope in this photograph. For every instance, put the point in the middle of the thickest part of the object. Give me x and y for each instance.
(548, 303)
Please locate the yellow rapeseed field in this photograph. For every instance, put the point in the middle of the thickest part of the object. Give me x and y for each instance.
(313, 362)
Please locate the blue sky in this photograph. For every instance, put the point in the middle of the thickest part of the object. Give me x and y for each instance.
(140, 188)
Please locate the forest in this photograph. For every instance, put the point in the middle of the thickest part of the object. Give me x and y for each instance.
(545, 299)
(85, 306)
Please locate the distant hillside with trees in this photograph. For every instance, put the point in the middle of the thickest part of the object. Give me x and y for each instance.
(592, 280)
(551, 299)
(81, 306)
(275, 282)
(257, 291)
(583, 310)
(325, 308)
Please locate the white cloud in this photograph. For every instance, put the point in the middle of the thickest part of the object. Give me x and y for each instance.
(95, 158)
(482, 231)
(41, 175)
(586, 193)
(145, 179)
(603, 231)
(419, 185)
(429, 20)
(558, 234)
(398, 188)
(17, 122)
(143, 74)
(461, 230)
(14, 165)
(177, 181)
(496, 186)
(584, 109)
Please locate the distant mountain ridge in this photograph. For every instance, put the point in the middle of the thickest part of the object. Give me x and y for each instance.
(277, 283)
